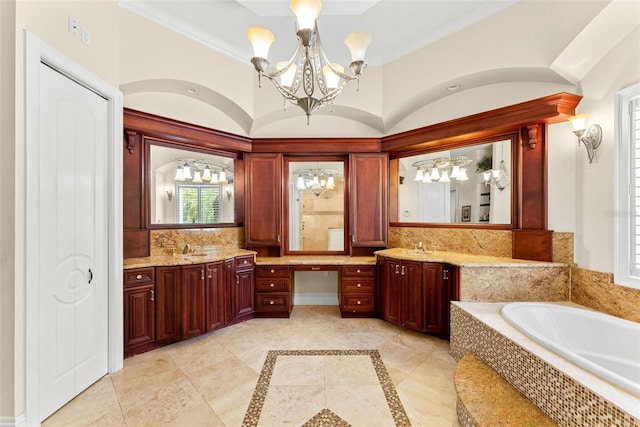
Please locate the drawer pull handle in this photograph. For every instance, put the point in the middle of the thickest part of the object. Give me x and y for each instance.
(152, 296)
(272, 271)
(358, 285)
(139, 276)
(271, 284)
(359, 302)
(271, 302)
(358, 271)
(245, 261)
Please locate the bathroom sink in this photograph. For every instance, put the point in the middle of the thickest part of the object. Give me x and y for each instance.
(414, 252)
(196, 254)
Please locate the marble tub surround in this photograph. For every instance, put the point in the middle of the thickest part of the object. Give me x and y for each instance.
(485, 399)
(598, 291)
(510, 283)
(567, 393)
(165, 240)
(210, 380)
(317, 260)
(204, 256)
(562, 247)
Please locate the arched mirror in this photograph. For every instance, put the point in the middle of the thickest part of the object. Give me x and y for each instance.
(315, 205)
(189, 188)
(471, 184)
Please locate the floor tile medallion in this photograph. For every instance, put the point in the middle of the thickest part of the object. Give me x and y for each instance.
(325, 388)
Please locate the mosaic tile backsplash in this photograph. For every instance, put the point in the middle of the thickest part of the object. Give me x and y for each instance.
(163, 241)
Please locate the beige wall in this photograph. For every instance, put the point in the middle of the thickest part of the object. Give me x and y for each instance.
(8, 305)
(509, 61)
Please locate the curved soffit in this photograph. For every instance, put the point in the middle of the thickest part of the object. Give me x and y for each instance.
(471, 81)
(203, 94)
(340, 111)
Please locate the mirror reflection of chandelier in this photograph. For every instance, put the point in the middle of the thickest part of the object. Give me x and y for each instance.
(498, 178)
(437, 170)
(316, 180)
(199, 171)
(321, 80)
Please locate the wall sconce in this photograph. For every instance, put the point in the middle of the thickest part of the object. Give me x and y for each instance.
(591, 139)
(169, 194)
(228, 192)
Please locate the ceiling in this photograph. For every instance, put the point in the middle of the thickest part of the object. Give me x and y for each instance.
(397, 27)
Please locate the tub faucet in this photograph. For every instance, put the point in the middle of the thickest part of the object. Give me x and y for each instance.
(186, 249)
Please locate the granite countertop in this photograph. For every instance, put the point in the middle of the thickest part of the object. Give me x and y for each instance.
(179, 259)
(316, 260)
(463, 260)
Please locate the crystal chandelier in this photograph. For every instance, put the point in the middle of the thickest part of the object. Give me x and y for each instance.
(321, 80)
(437, 170)
(199, 171)
(316, 180)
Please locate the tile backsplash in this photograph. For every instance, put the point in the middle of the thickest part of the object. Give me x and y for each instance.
(163, 241)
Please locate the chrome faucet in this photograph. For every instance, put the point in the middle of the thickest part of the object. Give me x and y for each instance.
(186, 249)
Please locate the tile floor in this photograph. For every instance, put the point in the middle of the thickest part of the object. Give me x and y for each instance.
(210, 380)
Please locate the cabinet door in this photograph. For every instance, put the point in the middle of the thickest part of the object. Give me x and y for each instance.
(435, 297)
(167, 304)
(368, 174)
(229, 289)
(263, 206)
(215, 296)
(193, 299)
(389, 291)
(139, 315)
(411, 295)
(243, 292)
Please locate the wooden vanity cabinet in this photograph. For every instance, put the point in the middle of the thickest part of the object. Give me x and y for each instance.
(215, 295)
(139, 310)
(263, 204)
(167, 304)
(273, 291)
(357, 291)
(416, 295)
(368, 207)
(241, 286)
(192, 301)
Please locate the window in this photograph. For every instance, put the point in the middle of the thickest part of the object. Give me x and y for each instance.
(199, 204)
(627, 220)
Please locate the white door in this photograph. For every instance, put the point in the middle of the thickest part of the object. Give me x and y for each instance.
(73, 251)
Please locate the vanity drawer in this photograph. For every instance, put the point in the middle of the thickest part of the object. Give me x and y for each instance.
(138, 276)
(357, 302)
(358, 271)
(271, 285)
(267, 271)
(357, 285)
(244, 262)
(276, 301)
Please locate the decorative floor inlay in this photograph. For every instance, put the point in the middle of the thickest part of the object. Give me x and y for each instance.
(326, 418)
(304, 385)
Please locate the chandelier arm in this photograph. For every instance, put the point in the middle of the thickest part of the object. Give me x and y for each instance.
(283, 91)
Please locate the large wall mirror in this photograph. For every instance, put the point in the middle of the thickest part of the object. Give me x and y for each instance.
(316, 201)
(189, 187)
(470, 185)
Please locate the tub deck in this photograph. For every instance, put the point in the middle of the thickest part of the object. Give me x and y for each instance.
(570, 395)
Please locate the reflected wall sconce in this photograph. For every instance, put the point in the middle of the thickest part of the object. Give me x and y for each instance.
(228, 193)
(591, 137)
(169, 194)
